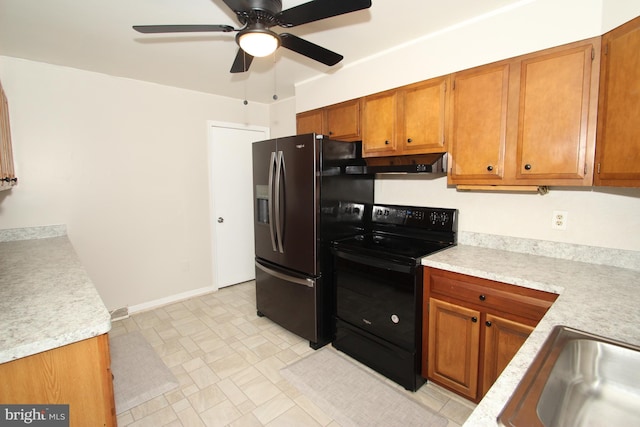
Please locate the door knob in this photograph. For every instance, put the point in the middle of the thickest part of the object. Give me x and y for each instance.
(220, 219)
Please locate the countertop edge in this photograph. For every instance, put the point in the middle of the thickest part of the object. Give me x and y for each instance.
(52, 343)
(46, 296)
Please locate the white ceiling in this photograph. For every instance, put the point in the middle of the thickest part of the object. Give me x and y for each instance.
(96, 35)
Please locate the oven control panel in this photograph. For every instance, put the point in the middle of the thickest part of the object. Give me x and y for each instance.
(437, 219)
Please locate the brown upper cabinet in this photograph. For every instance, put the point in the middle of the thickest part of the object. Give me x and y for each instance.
(310, 122)
(379, 124)
(407, 120)
(529, 120)
(7, 173)
(618, 141)
(339, 121)
(342, 121)
(565, 116)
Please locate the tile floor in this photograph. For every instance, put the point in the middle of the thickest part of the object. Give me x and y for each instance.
(227, 360)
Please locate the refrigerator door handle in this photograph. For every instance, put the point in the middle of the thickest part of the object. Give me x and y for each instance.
(272, 162)
(280, 171)
(308, 282)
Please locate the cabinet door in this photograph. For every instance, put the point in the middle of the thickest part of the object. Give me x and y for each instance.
(454, 345)
(503, 338)
(556, 110)
(479, 123)
(343, 121)
(310, 122)
(379, 124)
(78, 374)
(7, 173)
(422, 117)
(618, 144)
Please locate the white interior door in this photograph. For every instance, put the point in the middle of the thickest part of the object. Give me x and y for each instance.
(231, 174)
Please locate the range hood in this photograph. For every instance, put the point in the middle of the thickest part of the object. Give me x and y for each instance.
(420, 163)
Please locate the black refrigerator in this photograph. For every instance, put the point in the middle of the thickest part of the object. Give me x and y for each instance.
(308, 191)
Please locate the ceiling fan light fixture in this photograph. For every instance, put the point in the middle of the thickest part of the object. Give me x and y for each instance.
(258, 42)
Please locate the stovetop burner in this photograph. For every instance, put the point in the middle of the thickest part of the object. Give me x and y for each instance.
(400, 245)
(404, 232)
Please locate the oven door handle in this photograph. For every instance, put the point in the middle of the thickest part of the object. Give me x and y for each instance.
(374, 262)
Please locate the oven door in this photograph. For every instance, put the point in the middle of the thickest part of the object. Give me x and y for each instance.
(379, 296)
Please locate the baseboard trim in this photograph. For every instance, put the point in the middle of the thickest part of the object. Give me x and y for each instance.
(170, 299)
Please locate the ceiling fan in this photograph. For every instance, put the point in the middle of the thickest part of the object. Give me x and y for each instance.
(256, 39)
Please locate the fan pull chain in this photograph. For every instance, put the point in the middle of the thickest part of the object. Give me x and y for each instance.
(275, 78)
(244, 61)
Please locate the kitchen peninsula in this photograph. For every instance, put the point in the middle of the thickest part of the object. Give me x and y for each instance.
(599, 292)
(54, 347)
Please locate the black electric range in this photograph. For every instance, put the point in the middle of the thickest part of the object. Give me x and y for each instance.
(378, 277)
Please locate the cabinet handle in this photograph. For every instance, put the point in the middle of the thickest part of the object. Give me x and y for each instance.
(386, 142)
(330, 133)
(482, 297)
(489, 168)
(527, 166)
(488, 323)
(409, 140)
(474, 319)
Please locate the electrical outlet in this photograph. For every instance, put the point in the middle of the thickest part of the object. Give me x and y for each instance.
(559, 220)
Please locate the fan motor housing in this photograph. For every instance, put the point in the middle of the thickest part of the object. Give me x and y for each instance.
(269, 6)
(261, 11)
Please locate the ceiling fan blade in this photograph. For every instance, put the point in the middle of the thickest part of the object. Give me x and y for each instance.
(310, 50)
(151, 29)
(318, 9)
(242, 62)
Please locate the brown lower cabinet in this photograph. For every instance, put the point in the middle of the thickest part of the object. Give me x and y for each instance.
(473, 327)
(77, 374)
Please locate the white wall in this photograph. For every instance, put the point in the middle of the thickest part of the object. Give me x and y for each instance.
(599, 217)
(282, 118)
(124, 164)
(605, 217)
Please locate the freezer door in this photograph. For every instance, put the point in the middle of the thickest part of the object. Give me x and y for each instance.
(288, 299)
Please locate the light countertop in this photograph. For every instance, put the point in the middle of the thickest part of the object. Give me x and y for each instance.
(46, 298)
(600, 299)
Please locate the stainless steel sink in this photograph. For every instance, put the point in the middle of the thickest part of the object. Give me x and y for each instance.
(578, 379)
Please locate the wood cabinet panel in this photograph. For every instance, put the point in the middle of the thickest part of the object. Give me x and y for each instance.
(7, 173)
(618, 143)
(486, 294)
(421, 115)
(339, 121)
(503, 338)
(407, 120)
(464, 311)
(379, 124)
(554, 114)
(310, 122)
(342, 121)
(479, 123)
(529, 120)
(453, 346)
(77, 374)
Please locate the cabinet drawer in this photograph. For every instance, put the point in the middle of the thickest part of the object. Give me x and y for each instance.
(487, 294)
